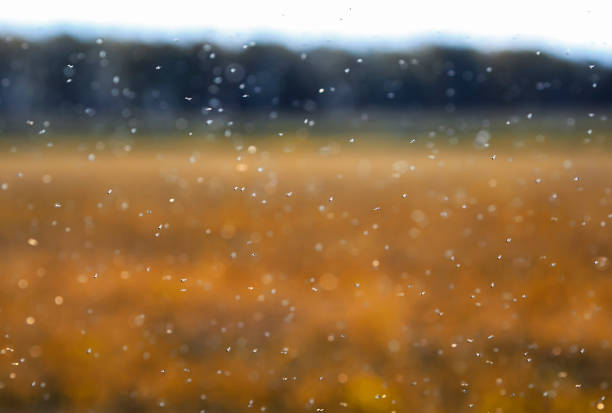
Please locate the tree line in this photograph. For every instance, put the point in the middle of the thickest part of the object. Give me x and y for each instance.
(66, 76)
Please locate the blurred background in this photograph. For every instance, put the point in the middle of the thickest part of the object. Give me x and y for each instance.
(279, 206)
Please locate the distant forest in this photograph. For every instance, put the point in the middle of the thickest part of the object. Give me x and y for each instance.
(70, 77)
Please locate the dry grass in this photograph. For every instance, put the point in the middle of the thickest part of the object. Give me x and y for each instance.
(367, 301)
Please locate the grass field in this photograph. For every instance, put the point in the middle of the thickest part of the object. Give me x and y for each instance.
(301, 275)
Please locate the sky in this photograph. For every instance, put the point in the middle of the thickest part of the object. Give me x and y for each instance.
(574, 28)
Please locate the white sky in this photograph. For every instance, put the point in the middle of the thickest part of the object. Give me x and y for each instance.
(563, 24)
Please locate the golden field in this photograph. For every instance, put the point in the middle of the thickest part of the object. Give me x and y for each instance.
(300, 275)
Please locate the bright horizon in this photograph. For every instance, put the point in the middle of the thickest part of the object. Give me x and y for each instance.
(577, 31)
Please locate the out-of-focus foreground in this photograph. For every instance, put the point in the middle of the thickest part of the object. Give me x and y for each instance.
(330, 275)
